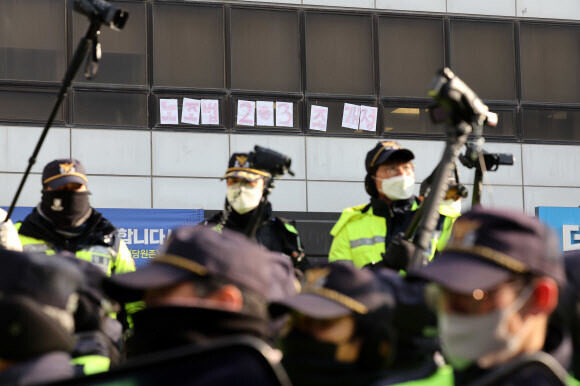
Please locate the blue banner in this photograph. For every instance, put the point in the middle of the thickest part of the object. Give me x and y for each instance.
(144, 230)
(565, 222)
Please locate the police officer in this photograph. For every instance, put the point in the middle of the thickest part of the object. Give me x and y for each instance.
(38, 297)
(203, 286)
(344, 331)
(496, 284)
(64, 221)
(567, 315)
(245, 185)
(340, 330)
(363, 232)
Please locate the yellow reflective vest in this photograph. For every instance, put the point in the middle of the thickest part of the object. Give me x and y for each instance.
(442, 377)
(359, 236)
(110, 260)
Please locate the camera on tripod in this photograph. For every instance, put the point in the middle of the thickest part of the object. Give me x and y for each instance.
(491, 160)
(457, 102)
(277, 164)
(102, 11)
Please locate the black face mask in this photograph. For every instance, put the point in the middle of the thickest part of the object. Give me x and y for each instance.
(310, 362)
(66, 209)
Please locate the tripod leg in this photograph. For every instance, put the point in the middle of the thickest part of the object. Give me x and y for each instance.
(71, 72)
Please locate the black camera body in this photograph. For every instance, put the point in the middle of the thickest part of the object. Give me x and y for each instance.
(457, 102)
(491, 160)
(277, 164)
(101, 10)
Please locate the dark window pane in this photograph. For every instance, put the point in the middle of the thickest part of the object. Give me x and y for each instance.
(505, 125)
(482, 55)
(416, 120)
(32, 40)
(110, 108)
(282, 111)
(558, 125)
(188, 46)
(339, 54)
(550, 62)
(124, 52)
(409, 120)
(411, 51)
(265, 50)
(335, 112)
(31, 106)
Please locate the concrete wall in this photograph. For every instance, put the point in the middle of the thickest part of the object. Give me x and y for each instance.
(144, 169)
(552, 9)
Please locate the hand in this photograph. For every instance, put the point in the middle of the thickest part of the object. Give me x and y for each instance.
(8, 234)
(399, 253)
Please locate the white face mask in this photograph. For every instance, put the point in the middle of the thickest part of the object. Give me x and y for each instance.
(398, 188)
(455, 205)
(481, 338)
(243, 197)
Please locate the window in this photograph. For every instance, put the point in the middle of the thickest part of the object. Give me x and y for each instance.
(334, 120)
(482, 55)
(188, 46)
(339, 54)
(213, 104)
(28, 105)
(124, 52)
(409, 120)
(284, 114)
(551, 124)
(506, 124)
(410, 53)
(265, 50)
(32, 40)
(550, 59)
(416, 120)
(109, 108)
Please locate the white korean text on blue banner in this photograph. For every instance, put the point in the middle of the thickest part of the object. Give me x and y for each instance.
(565, 222)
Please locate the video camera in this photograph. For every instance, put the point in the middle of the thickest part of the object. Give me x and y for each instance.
(457, 102)
(277, 164)
(491, 160)
(101, 10)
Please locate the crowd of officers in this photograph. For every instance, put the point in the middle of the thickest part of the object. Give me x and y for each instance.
(498, 303)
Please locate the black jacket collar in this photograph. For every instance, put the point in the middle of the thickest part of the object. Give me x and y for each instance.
(95, 231)
(165, 327)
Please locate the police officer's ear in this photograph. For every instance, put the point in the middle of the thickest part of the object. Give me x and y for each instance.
(545, 297)
(229, 297)
(370, 186)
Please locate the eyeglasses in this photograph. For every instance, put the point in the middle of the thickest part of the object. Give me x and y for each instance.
(402, 168)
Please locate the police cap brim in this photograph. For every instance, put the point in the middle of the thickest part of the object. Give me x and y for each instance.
(246, 174)
(463, 273)
(311, 305)
(130, 287)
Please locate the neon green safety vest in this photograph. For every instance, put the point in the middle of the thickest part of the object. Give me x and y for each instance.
(442, 377)
(106, 258)
(360, 236)
(92, 364)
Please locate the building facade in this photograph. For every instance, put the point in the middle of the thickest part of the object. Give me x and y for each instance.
(521, 56)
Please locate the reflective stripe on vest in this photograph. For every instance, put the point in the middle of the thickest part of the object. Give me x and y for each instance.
(367, 241)
(100, 255)
(92, 364)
